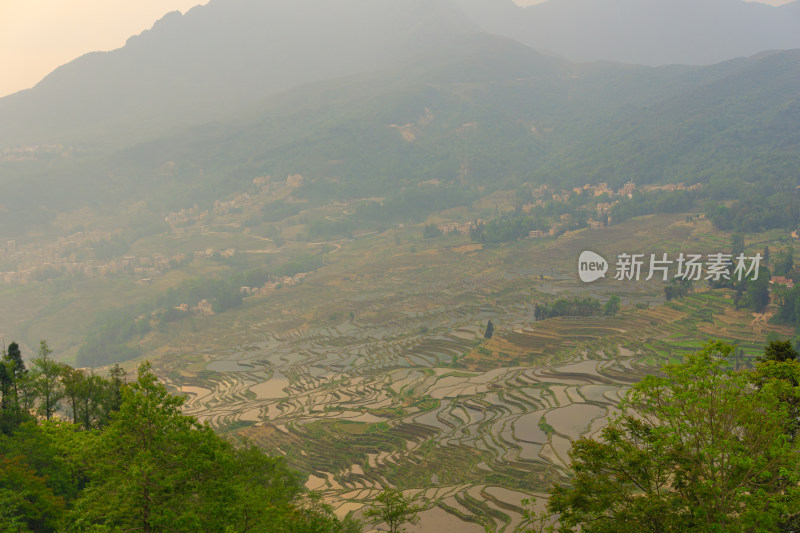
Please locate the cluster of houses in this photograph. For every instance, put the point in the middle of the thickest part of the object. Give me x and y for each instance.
(179, 218)
(602, 209)
(209, 252)
(460, 227)
(282, 281)
(66, 255)
(32, 152)
(222, 207)
(601, 189)
(206, 308)
(62, 255)
(543, 192)
(670, 187)
(537, 233)
(203, 308)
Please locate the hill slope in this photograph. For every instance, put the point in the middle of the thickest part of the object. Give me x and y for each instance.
(217, 59)
(481, 111)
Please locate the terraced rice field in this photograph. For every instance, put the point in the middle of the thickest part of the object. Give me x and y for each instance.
(364, 404)
(383, 379)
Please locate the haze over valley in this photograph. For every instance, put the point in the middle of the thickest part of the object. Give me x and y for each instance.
(349, 232)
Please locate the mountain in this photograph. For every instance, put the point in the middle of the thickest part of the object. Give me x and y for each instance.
(427, 98)
(496, 114)
(480, 111)
(646, 32)
(217, 59)
(224, 57)
(742, 122)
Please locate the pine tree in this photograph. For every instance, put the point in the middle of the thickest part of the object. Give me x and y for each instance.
(47, 381)
(13, 378)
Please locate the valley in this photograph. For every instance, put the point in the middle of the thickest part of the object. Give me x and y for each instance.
(423, 246)
(374, 371)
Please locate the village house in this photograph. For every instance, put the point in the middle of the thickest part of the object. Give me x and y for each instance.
(294, 180)
(204, 308)
(782, 280)
(561, 197)
(627, 189)
(540, 192)
(604, 207)
(453, 227)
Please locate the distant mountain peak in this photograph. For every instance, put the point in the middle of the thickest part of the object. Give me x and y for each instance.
(221, 57)
(648, 32)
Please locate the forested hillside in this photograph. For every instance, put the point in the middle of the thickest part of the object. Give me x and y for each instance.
(479, 111)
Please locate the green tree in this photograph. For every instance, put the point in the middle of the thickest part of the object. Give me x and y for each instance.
(534, 521)
(737, 244)
(26, 502)
(49, 450)
(612, 306)
(155, 469)
(87, 395)
(253, 479)
(14, 356)
(780, 351)
(784, 262)
(27, 387)
(758, 293)
(431, 231)
(394, 509)
(311, 515)
(47, 381)
(781, 365)
(697, 450)
(489, 330)
(6, 386)
(114, 398)
(152, 464)
(73, 380)
(12, 370)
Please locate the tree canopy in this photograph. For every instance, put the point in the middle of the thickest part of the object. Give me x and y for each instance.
(699, 449)
(133, 461)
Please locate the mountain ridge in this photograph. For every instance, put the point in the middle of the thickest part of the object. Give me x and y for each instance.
(219, 58)
(647, 32)
(192, 68)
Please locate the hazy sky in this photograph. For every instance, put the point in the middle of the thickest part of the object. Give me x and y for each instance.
(36, 36)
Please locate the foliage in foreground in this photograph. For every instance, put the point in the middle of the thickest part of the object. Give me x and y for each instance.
(700, 449)
(151, 469)
(394, 509)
